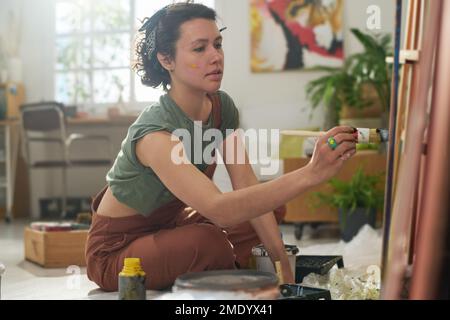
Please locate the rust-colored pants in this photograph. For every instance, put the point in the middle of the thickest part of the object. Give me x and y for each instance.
(172, 241)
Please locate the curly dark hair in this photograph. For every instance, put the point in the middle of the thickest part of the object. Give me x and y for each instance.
(170, 18)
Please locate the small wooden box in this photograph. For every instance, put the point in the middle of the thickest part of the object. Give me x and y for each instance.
(55, 249)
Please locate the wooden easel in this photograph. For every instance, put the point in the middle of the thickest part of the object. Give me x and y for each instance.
(399, 247)
(414, 27)
(432, 247)
(413, 45)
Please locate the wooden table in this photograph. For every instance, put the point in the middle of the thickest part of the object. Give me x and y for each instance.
(301, 211)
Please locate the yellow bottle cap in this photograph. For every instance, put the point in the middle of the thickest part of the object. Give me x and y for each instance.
(132, 267)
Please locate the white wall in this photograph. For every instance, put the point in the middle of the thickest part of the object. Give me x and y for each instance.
(277, 100)
(271, 100)
(36, 44)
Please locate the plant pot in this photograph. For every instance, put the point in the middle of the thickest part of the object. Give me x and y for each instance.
(373, 111)
(355, 221)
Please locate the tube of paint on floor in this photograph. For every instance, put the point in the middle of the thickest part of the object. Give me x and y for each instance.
(279, 272)
(132, 280)
(264, 263)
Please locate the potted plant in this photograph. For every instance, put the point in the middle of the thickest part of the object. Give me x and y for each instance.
(361, 84)
(357, 201)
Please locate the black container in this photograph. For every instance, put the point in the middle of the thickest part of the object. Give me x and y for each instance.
(305, 265)
(298, 292)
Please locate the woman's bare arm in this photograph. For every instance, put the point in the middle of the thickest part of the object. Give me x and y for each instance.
(195, 189)
(265, 226)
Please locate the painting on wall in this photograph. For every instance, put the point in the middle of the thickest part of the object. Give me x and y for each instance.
(295, 34)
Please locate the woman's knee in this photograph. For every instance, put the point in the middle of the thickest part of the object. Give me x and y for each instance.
(96, 272)
(212, 245)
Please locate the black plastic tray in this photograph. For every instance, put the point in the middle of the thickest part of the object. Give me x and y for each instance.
(305, 265)
(298, 292)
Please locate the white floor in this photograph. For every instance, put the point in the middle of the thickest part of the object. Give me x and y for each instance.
(26, 280)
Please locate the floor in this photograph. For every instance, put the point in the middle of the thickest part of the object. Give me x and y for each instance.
(26, 280)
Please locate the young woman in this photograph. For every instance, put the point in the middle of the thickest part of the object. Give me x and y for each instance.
(168, 212)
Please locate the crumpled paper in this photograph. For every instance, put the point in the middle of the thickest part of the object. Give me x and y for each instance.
(348, 284)
(360, 279)
(363, 250)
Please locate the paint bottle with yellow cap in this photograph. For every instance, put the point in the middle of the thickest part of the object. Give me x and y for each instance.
(132, 280)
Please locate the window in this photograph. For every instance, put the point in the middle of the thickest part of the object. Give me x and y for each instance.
(94, 47)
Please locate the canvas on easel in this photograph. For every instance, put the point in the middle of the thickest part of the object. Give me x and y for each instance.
(410, 221)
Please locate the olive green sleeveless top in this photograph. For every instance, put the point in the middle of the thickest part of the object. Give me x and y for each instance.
(136, 185)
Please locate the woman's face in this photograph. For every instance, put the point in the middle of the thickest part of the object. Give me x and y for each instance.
(199, 58)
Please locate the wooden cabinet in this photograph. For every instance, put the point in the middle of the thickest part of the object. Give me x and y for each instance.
(11, 97)
(301, 210)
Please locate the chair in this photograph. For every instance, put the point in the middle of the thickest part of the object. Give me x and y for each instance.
(45, 122)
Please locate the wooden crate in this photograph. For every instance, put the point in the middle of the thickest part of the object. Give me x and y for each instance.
(55, 249)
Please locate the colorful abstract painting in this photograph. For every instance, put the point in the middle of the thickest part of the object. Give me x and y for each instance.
(295, 34)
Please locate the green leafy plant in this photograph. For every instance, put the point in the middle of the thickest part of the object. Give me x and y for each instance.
(362, 191)
(345, 86)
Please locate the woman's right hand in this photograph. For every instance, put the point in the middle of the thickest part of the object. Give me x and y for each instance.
(326, 162)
